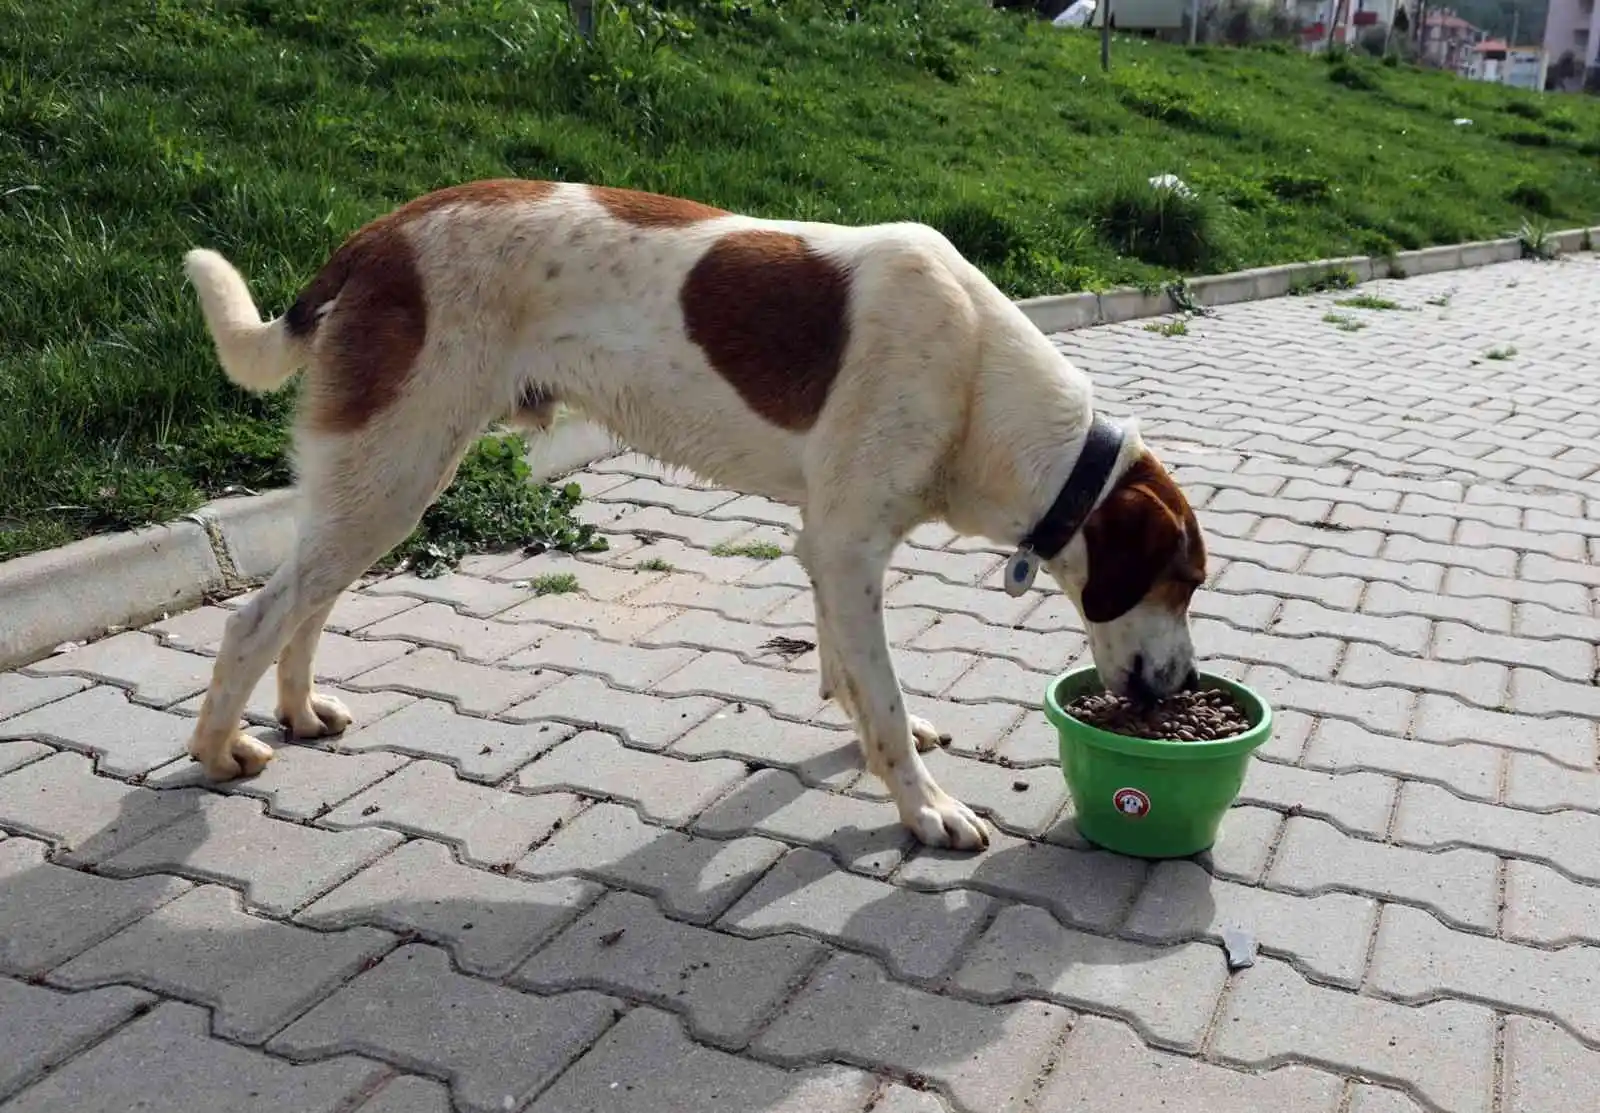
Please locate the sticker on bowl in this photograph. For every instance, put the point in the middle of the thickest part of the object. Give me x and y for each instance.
(1131, 803)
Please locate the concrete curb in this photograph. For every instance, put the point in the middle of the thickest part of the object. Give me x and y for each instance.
(1066, 312)
(80, 591)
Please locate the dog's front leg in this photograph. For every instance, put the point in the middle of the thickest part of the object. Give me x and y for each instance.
(848, 583)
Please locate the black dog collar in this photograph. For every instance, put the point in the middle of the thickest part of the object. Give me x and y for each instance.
(1066, 515)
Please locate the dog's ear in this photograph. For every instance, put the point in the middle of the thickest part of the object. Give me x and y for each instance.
(1141, 541)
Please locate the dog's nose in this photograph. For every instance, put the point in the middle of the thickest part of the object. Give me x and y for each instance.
(1191, 680)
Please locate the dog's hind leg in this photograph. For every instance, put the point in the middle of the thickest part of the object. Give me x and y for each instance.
(357, 502)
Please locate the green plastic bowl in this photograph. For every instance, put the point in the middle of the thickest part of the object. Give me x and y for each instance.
(1148, 798)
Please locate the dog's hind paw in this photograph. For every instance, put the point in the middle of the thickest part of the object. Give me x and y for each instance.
(319, 717)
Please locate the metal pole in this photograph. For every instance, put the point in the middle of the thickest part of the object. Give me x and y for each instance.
(1105, 37)
(1194, 21)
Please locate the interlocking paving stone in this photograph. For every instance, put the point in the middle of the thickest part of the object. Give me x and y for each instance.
(51, 913)
(1089, 888)
(917, 934)
(1419, 959)
(479, 749)
(409, 1093)
(647, 1065)
(1326, 935)
(1380, 1099)
(818, 756)
(1465, 768)
(1543, 907)
(1021, 800)
(228, 839)
(490, 922)
(471, 639)
(497, 1046)
(1568, 658)
(788, 694)
(40, 1027)
(255, 974)
(984, 1056)
(472, 689)
(1359, 802)
(624, 666)
(153, 674)
(1170, 992)
(1462, 885)
(867, 836)
(648, 722)
(1383, 709)
(166, 1060)
(299, 783)
(19, 693)
(624, 946)
(1430, 817)
(1570, 741)
(696, 878)
(15, 754)
(125, 738)
(261, 708)
(618, 621)
(86, 818)
(1104, 1065)
(1538, 693)
(1244, 843)
(1540, 785)
(665, 789)
(467, 594)
(1445, 1050)
(488, 827)
(1547, 1069)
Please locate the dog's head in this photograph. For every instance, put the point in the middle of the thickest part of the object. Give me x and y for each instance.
(1131, 572)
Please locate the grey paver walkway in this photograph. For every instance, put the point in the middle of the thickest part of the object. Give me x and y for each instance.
(606, 851)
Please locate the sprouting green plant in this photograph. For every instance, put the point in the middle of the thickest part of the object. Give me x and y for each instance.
(1368, 301)
(1343, 322)
(654, 564)
(1505, 352)
(1168, 328)
(554, 583)
(755, 550)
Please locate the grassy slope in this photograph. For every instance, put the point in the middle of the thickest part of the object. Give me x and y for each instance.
(274, 128)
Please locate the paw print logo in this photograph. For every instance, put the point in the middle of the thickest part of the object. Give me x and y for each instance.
(1131, 803)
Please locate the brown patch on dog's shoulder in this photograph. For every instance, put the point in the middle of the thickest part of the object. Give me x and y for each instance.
(1144, 542)
(652, 210)
(381, 317)
(772, 317)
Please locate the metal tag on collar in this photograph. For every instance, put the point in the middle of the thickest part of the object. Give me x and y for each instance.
(1021, 568)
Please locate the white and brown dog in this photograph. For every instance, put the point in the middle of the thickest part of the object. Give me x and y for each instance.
(869, 376)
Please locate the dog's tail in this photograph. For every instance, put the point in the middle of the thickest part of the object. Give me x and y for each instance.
(258, 355)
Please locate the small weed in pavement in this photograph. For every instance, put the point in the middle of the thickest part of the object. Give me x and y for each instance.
(554, 583)
(755, 550)
(1170, 328)
(1343, 322)
(1367, 301)
(492, 506)
(1500, 353)
(654, 564)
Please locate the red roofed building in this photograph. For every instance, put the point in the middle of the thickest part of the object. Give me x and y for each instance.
(1448, 40)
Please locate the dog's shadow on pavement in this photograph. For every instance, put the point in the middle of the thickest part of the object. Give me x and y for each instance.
(955, 977)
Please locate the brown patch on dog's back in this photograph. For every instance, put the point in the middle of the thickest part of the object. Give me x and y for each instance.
(652, 210)
(1144, 542)
(381, 317)
(772, 317)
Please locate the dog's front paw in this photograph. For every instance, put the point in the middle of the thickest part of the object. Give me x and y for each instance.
(319, 717)
(944, 821)
(927, 735)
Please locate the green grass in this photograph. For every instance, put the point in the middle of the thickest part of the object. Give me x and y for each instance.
(270, 129)
(1500, 353)
(654, 564)
(755, 550)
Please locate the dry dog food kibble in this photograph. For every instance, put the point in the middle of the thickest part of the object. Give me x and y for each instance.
(1204, 716)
